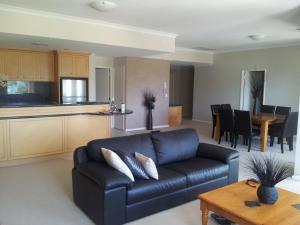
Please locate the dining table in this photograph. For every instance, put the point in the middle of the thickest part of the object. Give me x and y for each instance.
(263, 120)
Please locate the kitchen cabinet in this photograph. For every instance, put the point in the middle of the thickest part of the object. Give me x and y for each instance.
(73, 64)
(35, 137)
(27, 65)
(12, 65)
(46, 66)
(44, 136)
(3, 135)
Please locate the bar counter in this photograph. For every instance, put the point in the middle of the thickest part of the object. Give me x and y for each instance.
(38, 131)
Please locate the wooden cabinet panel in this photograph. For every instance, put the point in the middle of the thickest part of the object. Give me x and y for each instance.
(2, 140)
(82, 129)
(81, 65)
(35, 137)
(175, 116)
(66, 65)
(72, 64)
(12, 65)
(2, 63)
(29, 66)
(46, 66)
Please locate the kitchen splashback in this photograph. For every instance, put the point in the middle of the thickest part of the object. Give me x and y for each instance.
(26, 92)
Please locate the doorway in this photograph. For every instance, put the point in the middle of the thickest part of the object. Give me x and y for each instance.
(253, 83)
(103, 81)
(181, 88)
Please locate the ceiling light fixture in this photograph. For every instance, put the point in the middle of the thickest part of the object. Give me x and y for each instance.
(103, 6)
(256, 37)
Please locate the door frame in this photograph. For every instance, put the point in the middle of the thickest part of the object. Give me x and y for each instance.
(111, 79)
(243, 83)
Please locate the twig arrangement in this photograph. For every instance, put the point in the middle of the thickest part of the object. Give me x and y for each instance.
(149, 100)
(269, 170)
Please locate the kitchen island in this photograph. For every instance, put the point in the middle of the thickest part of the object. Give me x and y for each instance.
(39, 131)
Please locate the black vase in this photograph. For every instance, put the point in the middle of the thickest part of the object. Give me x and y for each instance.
(149, 120)
(267, 195)
(256, 107)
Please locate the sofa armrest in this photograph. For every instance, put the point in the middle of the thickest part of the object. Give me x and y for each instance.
(217, 152)
(226, 155)
(80, 155)
(105, 176)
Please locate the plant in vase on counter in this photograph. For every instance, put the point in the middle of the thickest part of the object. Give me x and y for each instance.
(268, 171)
(149, 103)
(3, 81)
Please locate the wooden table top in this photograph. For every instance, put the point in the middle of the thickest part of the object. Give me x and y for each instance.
(232, 197)
(268, 117)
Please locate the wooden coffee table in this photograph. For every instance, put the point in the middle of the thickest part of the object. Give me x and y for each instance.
(229, 203)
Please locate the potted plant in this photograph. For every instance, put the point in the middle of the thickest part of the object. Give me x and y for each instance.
(268, 171)
(149, 103)
(3, 84)
(256, 92)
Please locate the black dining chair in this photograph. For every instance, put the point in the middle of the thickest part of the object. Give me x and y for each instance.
(226, 124)
(287, 130)
(243, 126)
(268, 109)
(214, 109)
(226, 106)
(282, 110)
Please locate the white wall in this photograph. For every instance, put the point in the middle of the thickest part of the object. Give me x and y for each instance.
(297, 155)
(220, 83)
(189, 56)
(98, 62)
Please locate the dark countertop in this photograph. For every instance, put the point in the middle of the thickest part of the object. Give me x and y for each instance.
(50, 105)
(69, 114)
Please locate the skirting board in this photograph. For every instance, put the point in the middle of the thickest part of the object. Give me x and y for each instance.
(202, 121)
(144, 128)
(296, 177)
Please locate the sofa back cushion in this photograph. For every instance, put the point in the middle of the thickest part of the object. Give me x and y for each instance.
(127, 145)
(175, 145)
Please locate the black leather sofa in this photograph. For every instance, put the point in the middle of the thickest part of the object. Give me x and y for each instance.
(186, 169)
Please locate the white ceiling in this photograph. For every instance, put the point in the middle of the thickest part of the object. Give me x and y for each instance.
(212, 24)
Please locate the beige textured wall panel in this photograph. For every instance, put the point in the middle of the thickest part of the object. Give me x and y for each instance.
(143, 74)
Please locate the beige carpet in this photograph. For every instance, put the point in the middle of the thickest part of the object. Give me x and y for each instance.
(41, 193)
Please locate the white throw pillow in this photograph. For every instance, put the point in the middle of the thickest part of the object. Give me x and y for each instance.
(148, 165)
(116, 162)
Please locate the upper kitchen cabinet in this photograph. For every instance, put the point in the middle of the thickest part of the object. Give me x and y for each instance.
(73, 64)
(27, 65)
(11, 61)
(46, 66)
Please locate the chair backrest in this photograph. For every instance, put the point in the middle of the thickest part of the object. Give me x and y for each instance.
(215, 108)
(282, 110)
(226, 120)
(290, 125)
(226, 106)
(268, 109)
(242, 122)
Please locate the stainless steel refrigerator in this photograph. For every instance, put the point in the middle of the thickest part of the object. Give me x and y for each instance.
(73, 90)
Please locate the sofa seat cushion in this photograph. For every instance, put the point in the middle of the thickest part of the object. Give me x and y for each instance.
(200, 170)
(169, 181)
